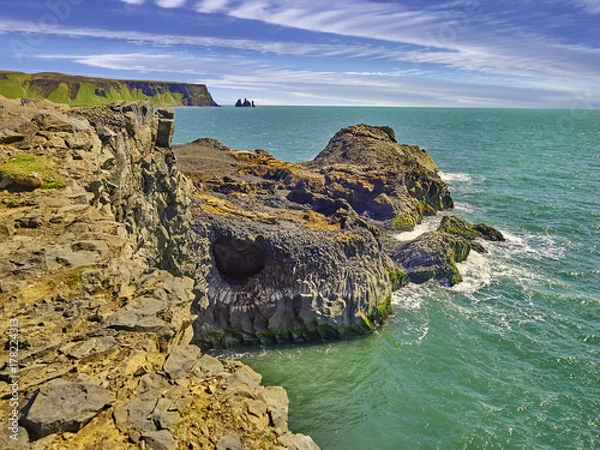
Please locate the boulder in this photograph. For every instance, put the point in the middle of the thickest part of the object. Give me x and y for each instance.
(230, 441)
(297, 442)
(460, 227)
(160, 440)
(181, 361)
(433, 256)
(63, 406)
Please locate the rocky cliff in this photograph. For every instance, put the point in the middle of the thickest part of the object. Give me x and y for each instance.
(97, 310)
(86, 91)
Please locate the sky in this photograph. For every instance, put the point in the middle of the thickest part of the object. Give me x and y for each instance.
(446, 53)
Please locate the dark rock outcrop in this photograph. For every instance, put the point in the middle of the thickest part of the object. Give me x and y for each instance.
(294, 284)
(460, 227)
(379, 178)
(244, 104)
(299, 252)
(434, 255)
(277, 270)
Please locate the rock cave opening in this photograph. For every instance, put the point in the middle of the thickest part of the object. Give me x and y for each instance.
(238, 258)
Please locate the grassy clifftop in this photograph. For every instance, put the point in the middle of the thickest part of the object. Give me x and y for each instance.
(85, 91)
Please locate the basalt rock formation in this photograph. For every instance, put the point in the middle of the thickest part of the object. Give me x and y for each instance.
(379, 178)
(295, 249)
(279, 271)
(96, 296)
(244, 104)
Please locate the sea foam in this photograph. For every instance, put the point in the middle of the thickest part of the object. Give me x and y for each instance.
(449, 177)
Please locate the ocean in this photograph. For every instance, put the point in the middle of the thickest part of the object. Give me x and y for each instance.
(508, 359)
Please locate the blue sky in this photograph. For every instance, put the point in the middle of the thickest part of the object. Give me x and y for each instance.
(455, 53)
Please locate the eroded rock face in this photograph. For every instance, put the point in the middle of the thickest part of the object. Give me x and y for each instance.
(108, 156)
(104, 360)
(279, 270)
(378, 177)
(295, 253)
(296, 285)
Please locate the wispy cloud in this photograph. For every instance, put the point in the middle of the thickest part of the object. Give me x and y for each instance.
(408, 88)
(463, 37)
(161, 3)
(171, 3)
(590, 6)
(212, 6)
(290, 48)
(381, 51)
(522, 58)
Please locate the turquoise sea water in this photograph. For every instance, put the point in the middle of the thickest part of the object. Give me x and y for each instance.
(509, 359)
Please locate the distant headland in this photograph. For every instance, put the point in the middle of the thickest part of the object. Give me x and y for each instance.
(86, 91)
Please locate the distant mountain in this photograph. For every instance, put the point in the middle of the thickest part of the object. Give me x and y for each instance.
(85, 91)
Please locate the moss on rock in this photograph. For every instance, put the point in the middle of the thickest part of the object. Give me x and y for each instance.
(30, 172)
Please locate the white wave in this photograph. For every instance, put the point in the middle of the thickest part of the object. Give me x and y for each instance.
(476, 272)
(427, 224)
(452, 177)
(535, 246)
(463, 207)
(413, 296)
(402, 299)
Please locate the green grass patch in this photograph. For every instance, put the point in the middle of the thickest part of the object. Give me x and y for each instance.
(11, 87)
(75, 276)
(25, 165)
(367, 321)
(85, 91)
(11, 201)
(60, 94)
